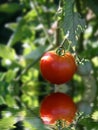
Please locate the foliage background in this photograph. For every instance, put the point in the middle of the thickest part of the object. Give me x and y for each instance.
(27, 30)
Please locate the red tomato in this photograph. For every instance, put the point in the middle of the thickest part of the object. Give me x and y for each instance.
(57, 106)
(57, 69)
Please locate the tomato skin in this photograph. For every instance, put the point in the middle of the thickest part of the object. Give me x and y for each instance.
(57, 106)
(57, 69)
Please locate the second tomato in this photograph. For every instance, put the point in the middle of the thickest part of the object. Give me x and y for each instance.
(57, 106)
(57, 69)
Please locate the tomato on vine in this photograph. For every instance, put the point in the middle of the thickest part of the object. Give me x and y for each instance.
(57, 106)
(57, 69)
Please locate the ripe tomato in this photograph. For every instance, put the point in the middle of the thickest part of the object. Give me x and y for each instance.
(57, 69)
(57, 106)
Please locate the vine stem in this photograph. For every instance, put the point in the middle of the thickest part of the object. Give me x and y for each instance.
(27, 68)
(30, 65)
(65, 38)
(35, 5)
(61, 49)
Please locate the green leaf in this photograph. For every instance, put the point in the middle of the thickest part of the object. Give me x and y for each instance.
(10, 100)
(7, 123)
(36, 123)
(34, 55)
(23, 29)
(10, 75)
(21, 32)
(95, 116)
(11, 26)
(10, 8)
(89, 123)
(2, 101)
(72, 23)
(7, 52)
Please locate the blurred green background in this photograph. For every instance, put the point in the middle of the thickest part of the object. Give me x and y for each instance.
(27, 30)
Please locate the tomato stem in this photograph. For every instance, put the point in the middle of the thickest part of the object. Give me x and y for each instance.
(59, 125)
(61, 49)
(62, 43)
